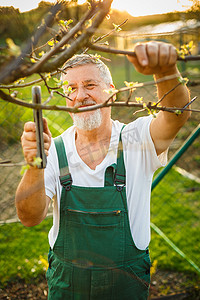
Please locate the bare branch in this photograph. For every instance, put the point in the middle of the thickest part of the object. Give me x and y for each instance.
(129, 96)
(171, 90)
(81, 41)
(188, 104)
(18, 67)
(63, 42)
(107, 103)
(10, 164)
(110, 50)
(5, 161)
(17, 86)
(189, 58)
(132, 53)
(106, 35)
(100, 38)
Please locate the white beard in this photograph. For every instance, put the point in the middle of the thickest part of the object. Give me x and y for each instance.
(88, 121)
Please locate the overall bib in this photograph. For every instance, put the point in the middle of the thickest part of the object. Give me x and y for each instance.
(94, 256)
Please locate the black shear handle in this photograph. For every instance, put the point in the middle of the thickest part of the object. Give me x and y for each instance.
(37, 113)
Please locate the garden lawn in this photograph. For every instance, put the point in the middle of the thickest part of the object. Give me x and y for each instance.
(175, 208)
(23, 251)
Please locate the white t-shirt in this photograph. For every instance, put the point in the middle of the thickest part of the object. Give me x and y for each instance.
(140, 160)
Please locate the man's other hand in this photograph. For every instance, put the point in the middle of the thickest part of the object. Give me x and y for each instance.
(28, 140)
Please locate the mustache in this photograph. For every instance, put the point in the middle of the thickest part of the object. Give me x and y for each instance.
(85, 102)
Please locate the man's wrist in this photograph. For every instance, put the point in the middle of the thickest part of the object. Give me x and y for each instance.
(170, 72)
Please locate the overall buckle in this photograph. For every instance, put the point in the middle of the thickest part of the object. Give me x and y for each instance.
(119, 181)
(66, 181)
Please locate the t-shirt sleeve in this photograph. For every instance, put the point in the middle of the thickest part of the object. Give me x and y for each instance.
(139, 146)
(50, 176)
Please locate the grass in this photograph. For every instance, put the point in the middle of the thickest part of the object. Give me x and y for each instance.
(23, 251)
(175, 210)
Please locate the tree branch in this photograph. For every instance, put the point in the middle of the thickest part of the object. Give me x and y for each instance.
(63, 41)
(23, 68)
(107, 103)
(132, 53)
(81, 41)
(17, 68)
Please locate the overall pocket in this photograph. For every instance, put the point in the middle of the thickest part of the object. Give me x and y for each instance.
(141, 270)
(132, 281)
(59, 279)
(94, 238)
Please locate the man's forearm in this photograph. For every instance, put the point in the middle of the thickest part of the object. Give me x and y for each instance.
(31, 201)
(177, 95)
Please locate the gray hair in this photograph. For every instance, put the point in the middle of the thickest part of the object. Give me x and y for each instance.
(84, 59)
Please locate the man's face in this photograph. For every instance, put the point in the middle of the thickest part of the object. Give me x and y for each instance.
(88, 88)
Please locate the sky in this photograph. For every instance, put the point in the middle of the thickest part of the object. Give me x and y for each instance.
(133, 7)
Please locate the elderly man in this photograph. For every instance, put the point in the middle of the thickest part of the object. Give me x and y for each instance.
(101, 172)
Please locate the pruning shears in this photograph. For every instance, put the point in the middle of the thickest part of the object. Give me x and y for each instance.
(37, 113)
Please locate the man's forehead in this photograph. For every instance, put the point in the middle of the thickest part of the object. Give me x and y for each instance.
(84, 72)
(86, 81)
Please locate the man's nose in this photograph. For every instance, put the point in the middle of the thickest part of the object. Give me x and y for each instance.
(81, 94)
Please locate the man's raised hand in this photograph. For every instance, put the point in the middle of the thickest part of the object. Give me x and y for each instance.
(155, 58)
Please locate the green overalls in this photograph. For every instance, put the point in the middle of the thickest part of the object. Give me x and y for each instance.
(94, 256)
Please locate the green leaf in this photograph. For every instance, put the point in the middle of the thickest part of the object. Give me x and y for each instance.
(41, 53)
(183, 80)
(33, 60)
(57, 80)
(117, 27)
(111, 91)
(65, 23)
(24, 169)
(36, 161)
(130, 84)
(51, 43)
(69, 22)
(62, 22)
(178, 112)
(97, 56)
(13, 49)
(88, 23)
(139, 99)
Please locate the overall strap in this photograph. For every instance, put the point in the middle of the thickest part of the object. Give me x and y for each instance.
(120, 174)
(109, 175)
(65, 176)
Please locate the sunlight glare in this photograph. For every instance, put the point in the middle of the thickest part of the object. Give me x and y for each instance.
(144, 7)
(133, 7)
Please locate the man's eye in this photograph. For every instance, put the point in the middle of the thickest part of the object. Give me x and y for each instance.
(90, 85)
